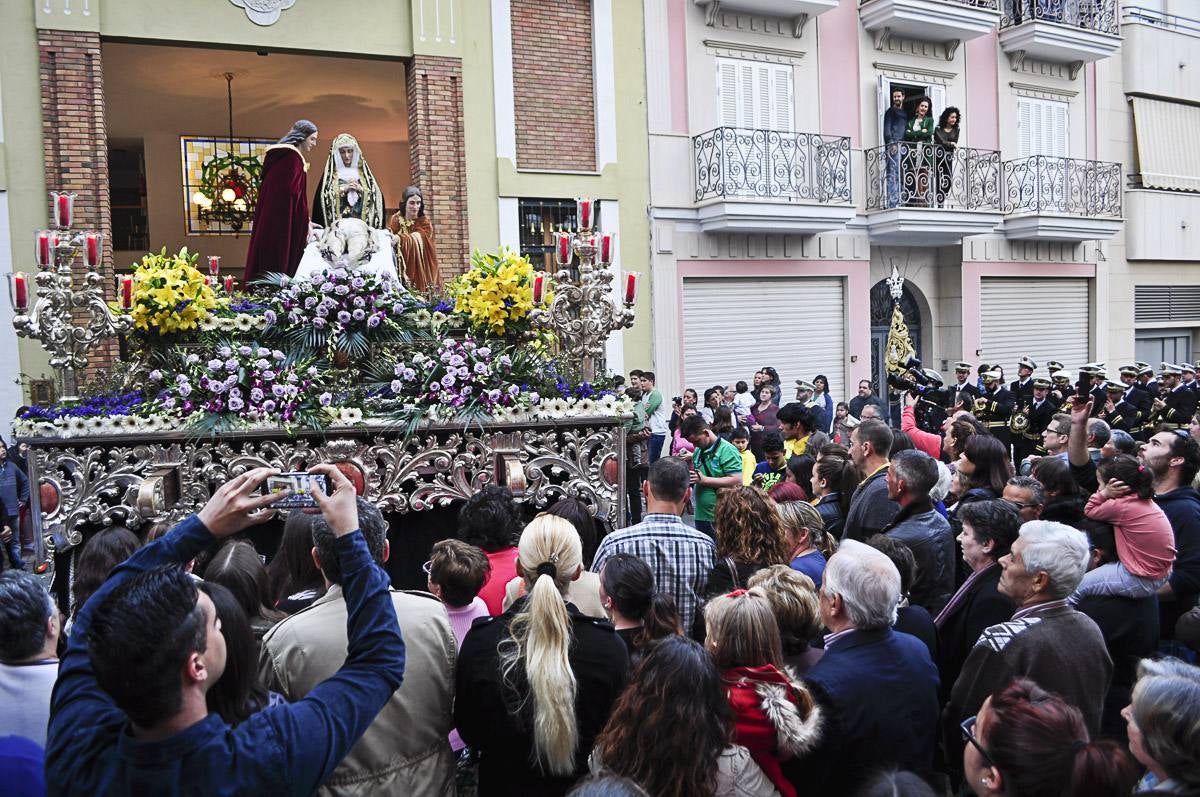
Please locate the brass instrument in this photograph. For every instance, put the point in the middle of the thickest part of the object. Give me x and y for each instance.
(1018, 422)
(980, 404)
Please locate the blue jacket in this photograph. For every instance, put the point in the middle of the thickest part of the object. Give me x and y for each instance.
(894, 122)
(14, 489)
(879, 690)
(1182, 508)
(289, 749)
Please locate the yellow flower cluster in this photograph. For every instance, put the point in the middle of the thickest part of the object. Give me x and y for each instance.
(169, 293)
(497, 292)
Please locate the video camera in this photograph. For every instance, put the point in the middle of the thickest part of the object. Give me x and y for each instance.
(917, 384)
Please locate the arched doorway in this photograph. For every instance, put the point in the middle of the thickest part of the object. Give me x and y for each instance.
(881, 320)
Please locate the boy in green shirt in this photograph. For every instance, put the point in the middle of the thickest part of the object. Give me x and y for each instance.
(716, 464)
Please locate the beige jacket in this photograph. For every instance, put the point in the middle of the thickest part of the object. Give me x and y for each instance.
(406, 750)
(584, 592)
(737, 774)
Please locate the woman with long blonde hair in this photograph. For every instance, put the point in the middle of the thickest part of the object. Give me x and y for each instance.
(535, 685)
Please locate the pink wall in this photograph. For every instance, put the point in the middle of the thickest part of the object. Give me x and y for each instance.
(857, 274)
(982, 124)
(677, 49)
(973, 273)
(841, 104)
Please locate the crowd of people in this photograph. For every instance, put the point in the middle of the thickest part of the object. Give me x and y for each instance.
(806, 601)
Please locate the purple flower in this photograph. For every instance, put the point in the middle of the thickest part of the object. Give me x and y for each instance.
(513, 390)
(263, 352)
(358, 283)
(409, 374)
(224, 351)
(214, 364)
(244, 351)
(231, 364)
(268, 405)
(484, 351)
(481, 368)
(358, 314)
(310, 302)
(466, 391)
(156, 375)
(360, 301)
(397, 386)
(262, 363)
(327, 287)
(534, 397)
(236, 403)
(312, 370)
(181, 379)
(341, 290)
(326, 399)
(268, 375)
(257, 395)
(493, 395)
(434, 387)
(456, 360)
(318, 322)
(293, 318)
(373, 321)
(448, 380)
(278, 390)
(185, 390)
(343, 317)
(271, 317)
(397, 309)
(192, 359)
(278, 355)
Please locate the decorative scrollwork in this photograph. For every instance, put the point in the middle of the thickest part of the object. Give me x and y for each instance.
(97, 482)
(1097, 15)
(769, 164)
(921, 175)
(1042, 184)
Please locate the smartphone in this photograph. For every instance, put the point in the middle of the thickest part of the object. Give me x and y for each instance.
(301, 486)
(1083, 388)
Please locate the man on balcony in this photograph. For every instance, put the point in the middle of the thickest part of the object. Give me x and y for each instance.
(894, 121)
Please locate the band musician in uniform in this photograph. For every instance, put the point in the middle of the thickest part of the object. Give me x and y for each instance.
(965, 391)
(994, 406)
(1177, 404)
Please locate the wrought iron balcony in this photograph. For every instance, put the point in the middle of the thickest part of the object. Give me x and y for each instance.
(930, 195)
(1094, 15)
(1062, 199)
(1064, 31)
(912, 175)
(770, 164)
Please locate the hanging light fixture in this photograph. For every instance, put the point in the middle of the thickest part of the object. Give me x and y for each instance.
(228, 189)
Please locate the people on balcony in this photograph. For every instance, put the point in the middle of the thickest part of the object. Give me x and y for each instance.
(895, 119)
(945, 139)
(918, 161)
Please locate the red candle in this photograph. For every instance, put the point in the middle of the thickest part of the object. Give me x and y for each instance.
(583, 213)
(229, 285)
(606, 248)
(93, 249)
(21, 291)
(630, 287)
(42, 250)
(64, 204)
(539, 288)
(563, 252)
(214, 265)
(126, 292)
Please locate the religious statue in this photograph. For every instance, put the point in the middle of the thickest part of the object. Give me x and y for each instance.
(414, 244)
(347, 189)
(350, 244)
(281, 222)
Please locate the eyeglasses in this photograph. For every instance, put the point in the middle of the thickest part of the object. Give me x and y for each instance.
(968, 731)
(427, 568)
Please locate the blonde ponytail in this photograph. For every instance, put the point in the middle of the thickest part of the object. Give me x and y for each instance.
(549, 553)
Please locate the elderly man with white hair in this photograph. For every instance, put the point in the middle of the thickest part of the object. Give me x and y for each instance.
(879, 687)
(1046, 640)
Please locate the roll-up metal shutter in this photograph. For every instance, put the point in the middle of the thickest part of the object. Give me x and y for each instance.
(1046, 319)
(732, 327)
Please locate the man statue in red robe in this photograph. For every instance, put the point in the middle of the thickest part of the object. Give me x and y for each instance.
(281, 219)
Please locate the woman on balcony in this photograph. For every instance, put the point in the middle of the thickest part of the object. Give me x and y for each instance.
(917, 161)
(945, 139)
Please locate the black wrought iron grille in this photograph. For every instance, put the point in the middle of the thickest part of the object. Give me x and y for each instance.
(932, 176)
(771, 164)
(1043, 184)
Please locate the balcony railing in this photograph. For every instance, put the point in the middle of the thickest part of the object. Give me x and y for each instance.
(770, 164)
(911, 175)
(990, 5)
(1094, 15)
(1042, 184)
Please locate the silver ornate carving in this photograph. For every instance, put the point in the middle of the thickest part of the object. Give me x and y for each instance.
(100, 481)
(264, 12)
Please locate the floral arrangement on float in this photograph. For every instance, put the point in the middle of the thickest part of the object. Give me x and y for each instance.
(342, 348)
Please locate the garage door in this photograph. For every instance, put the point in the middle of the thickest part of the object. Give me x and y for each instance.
(732, 327)
(1046, 319)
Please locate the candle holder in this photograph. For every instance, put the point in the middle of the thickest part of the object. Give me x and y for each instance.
(583, 313)
(51, 318)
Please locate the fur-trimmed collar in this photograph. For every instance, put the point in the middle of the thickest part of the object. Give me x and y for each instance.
(778, 693)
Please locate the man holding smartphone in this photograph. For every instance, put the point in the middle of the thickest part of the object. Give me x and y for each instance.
(129, 713)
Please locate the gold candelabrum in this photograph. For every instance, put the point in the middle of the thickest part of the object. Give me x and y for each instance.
(584, 313)
(51, 319)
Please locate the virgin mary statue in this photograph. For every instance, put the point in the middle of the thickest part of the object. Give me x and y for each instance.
(347, 189)
(280, 230)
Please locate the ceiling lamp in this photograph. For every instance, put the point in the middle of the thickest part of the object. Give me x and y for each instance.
(228, 189)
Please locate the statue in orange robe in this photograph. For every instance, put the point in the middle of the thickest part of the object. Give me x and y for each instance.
(414, 242)
(281, 219)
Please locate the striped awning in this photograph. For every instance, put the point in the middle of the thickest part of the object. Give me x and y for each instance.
(1166, 143)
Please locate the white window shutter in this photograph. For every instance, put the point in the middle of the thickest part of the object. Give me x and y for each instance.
(883, 101)
(727, 92)
(937, 96)
(1060, 130)
(1024, 127)
(783, 110)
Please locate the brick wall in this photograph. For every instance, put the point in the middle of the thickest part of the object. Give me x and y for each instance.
(75, 143)
(553, 89)
(438, 152)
